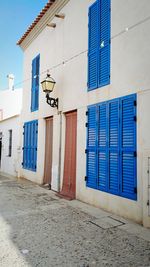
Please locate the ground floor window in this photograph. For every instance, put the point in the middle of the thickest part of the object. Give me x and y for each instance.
(30, 145)
(111, 147)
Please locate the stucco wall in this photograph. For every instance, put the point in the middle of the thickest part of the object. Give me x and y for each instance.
(130, 67)
(10, 102)
(10, 165)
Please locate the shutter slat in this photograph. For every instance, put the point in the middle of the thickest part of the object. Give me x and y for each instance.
(91, 148)
(104, 43)
(30, 145)
(128, 147)
(35, 83)
(111, 147)
(113, 143)
(102, 142)
(93, 44)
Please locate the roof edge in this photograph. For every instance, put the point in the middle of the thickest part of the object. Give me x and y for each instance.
(37, 19)
(39, 26)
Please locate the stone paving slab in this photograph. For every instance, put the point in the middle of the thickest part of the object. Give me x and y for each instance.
(39, 229)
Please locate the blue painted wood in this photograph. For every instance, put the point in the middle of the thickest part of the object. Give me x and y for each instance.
(102, 147)
(92, 46)
(128, 159)
(99, 44)
(104, 43)
(30, 145)
(92, 148)
(111, 147)
(35, 83)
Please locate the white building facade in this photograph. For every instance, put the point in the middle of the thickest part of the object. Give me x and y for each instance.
(10, 149)
(95, 147)
(9, 146)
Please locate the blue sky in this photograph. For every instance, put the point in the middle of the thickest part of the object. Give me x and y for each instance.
(15, 17)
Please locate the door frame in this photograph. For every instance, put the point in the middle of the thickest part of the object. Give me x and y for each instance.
(51, 152)
(64, 153)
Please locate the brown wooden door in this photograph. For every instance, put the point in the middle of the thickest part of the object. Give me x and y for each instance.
(48, 151)
(69, 177)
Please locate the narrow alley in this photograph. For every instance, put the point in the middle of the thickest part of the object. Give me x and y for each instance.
(40, 229)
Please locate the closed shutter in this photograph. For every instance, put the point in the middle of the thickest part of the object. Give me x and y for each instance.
(113, 146)
(25, 146)
(99, 44)
(35, 84)
(128, 147)
(92, 148)
(102, 147)
(30, 145)
(104, 43)
(93, 44)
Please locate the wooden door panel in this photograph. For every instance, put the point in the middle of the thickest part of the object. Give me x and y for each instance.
(48, 151)
(69, 178)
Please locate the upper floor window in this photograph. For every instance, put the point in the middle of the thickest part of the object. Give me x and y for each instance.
(99, 44)
(35, 83)
(10, 144)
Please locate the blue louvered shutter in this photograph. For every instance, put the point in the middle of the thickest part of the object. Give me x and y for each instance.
(33, 145)
(30, 145)
(113, 146)
(104, 43)
(102, 147)
(92, 46)
(92, 147)
(128, 147)
(25, 134)
(35, 84)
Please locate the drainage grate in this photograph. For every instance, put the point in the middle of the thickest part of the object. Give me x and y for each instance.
(107, 222)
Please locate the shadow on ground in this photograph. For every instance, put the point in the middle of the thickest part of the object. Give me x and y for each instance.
(39, 229)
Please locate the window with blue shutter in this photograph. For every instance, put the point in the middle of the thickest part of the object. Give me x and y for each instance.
(99, 44)
(92, 147)
(35, 83)
(128, 146)
(102, 146)
(111, 147)
(30, 145)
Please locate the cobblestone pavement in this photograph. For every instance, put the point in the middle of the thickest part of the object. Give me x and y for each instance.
(39, 229)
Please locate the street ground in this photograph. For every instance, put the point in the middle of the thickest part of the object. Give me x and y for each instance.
(39, 229)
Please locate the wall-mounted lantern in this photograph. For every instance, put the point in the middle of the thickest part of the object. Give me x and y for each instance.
(47, 86)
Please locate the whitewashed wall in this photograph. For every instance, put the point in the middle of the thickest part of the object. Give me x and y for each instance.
(10, 102)
(130, 65)
(10, 165)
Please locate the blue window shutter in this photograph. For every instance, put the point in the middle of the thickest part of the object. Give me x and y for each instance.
(92, 148)
(25, 146)
(128, 147)
(113, 146)
(35, 83)
(92, 46)
(30, 145)
(102, 147)
(104, 43)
